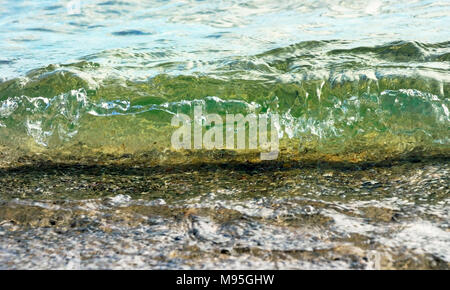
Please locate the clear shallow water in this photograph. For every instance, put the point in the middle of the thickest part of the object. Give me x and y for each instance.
(86, 101)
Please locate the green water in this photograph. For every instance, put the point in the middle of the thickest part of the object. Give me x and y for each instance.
(361, 104)
(354, 81)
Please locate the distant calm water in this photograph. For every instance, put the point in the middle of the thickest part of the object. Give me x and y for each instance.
(131, 37)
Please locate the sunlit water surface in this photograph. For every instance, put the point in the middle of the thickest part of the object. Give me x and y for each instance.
(89, 179)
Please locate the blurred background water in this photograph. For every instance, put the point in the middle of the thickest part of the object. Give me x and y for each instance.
(37, 33)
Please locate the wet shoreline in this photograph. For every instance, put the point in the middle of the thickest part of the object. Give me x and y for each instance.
(223, 216)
